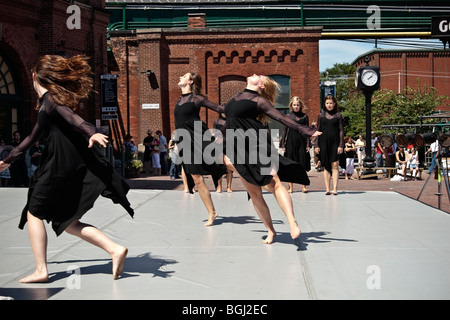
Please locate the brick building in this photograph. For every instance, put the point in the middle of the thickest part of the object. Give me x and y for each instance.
(402, 68)
(31, 28)
(224, 57)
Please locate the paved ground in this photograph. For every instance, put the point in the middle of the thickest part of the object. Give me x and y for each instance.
(369, 242)
(410, 189)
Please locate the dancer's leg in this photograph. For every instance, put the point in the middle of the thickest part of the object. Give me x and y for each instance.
(94, 236)
(258, 202)
(291, 187)
(38, 240)
(205, 195)
(285, 202)
(229, 180)
(335, 172)
(326, 179)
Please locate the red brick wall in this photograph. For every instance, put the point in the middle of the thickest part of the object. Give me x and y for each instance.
(400, 69)
(31, 28)
(223, 58)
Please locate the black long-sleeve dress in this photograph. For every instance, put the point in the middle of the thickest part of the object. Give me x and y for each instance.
(187, 117)
(296, 143)
(241, 113)
(332, 126)
(70, 176)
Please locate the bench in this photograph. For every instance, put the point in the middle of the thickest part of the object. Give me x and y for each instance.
(390, 171)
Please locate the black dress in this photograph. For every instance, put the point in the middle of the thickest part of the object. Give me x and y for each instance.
(187, 121)
(70, 176)
(296, 143)
(332, 126)
(241, 113)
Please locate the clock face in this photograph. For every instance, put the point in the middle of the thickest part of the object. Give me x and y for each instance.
(369, 77)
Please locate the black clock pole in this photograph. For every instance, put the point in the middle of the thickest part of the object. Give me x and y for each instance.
(368, 95)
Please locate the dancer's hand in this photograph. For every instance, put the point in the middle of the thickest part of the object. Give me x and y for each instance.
(317, 133)
(3, 165)
(99, 138)
(340, 150)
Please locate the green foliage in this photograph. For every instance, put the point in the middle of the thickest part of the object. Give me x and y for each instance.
(388, 107)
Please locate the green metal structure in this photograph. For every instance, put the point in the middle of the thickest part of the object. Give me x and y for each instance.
(339, 19)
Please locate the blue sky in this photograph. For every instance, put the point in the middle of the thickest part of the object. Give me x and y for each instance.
(340, 51)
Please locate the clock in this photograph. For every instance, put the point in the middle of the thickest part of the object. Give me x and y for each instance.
(369, 77)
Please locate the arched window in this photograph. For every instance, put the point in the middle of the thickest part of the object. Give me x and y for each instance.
(9, 117)
(6, 79)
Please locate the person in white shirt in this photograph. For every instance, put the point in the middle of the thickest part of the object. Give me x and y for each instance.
(413, 162)
(434, 147)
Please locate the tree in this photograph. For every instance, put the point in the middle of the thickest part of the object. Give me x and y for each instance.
(388, 107)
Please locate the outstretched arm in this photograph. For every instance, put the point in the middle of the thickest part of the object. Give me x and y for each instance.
(209, 104)
(22, 147)
(81, 125)
(266, 107)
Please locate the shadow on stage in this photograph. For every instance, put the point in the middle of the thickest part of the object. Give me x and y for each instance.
(134, 266)
(29, 293)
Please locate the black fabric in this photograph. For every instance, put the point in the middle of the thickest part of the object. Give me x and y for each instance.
(70, 176)
(332, 127)
(187, 116)
(241, 113)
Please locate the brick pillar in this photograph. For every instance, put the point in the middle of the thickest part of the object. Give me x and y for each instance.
(196, 20)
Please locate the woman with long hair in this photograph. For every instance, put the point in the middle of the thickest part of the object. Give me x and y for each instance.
(72, 172)
(330, 145)
(187, 121)
(295, 144)
(247, 117)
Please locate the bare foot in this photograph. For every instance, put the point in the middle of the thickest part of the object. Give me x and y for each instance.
(290, 190)
(118, 261)
(219, 190)
(211, 219)
(229, 190)
(270, 238)
(295, 230)
(36, 277)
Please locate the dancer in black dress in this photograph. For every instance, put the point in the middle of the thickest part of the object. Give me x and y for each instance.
(187, 121)
(220, 124)
(72, 172)
(330, 144)
(246, 116)
(295, 144)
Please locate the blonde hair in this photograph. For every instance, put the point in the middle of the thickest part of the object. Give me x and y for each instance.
(270, 92)
(67, 79)
(302, 105)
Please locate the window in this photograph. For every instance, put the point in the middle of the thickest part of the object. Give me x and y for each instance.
(285, 95)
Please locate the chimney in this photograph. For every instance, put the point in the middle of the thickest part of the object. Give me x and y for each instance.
(196, 20)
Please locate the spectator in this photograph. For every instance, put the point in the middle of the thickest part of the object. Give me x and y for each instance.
(401, 158)
(349, 149)
(434, 147)
(162, 152)
(360, 146)
(18, 169)
(35, 154)
(148, 151)
(413, 162)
